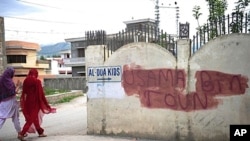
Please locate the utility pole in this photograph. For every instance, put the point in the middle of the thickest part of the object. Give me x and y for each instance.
(157, 14)
(177, 21)
(177, 15)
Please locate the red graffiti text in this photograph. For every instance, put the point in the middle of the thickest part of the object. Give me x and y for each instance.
(163, 88)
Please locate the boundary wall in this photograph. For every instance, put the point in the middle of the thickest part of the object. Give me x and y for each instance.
(159, 96)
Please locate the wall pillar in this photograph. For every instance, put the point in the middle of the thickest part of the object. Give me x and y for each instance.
(183, 55)
(95, 56)
(2, 46)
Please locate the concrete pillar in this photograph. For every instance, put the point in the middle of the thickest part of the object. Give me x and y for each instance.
(95, 56)
(183, 55)
(2, 46)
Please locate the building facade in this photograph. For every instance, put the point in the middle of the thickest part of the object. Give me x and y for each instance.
(77, 59)
(134, 29)
(65, 55)
(23, 56)
(57, 66)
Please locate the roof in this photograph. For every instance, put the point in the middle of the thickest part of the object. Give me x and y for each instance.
(65, 51)
(139, 21)
(75, 39)
(22, 44)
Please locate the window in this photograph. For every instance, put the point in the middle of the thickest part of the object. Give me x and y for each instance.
(16, 58)
(81, 52)
(67, 55)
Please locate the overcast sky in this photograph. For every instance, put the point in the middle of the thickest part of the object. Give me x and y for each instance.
(50, 21)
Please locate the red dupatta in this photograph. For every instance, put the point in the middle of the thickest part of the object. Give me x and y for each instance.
(33, 99)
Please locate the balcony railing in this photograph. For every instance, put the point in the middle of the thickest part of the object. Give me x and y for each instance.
(79, 61)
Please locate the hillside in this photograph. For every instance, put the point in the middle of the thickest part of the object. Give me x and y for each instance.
(53, 49)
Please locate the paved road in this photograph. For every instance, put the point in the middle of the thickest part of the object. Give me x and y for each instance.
(70, 119)
(69, 123)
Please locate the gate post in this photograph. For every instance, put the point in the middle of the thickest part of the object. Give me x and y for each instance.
(183, 55)
(2, 46)
(96, 119)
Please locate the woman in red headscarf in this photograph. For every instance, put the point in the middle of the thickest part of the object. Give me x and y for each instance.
(34, 105)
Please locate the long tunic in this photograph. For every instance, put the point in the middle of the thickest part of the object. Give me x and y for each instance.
(8, 107)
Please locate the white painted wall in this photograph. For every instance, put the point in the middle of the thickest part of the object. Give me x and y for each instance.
(54, 67)
(203, 119)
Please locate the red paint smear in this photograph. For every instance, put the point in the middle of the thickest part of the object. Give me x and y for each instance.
(163, 88)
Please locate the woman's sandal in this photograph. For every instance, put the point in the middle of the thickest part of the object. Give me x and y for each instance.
(42, 135)
(21, 137)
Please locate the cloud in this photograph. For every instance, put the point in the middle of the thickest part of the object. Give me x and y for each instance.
(16, 8)
(51, 20)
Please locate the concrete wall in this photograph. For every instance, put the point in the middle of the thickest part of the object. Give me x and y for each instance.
(69, 83)
(160, 97)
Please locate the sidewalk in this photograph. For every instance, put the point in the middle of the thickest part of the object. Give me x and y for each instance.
(75, 113)
(84, 138)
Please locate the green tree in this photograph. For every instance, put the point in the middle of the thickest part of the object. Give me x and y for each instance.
(238, 15)
(55, 55)
(197, 14)
(241, 5)
(217, 10)
(42, 57)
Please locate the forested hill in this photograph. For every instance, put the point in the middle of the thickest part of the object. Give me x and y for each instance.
(53, 49)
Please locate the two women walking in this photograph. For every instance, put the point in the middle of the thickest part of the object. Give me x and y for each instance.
(33, 105)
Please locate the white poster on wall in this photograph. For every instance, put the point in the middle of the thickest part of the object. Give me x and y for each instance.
(105, 90)
(105, 82)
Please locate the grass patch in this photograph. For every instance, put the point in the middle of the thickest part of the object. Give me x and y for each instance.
(48, 91)
(66, 99)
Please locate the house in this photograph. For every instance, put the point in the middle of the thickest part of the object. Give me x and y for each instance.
(23, 56)
(57, 66)
(77, 59)
(65, 55)
(137, 28)
(138, 24)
